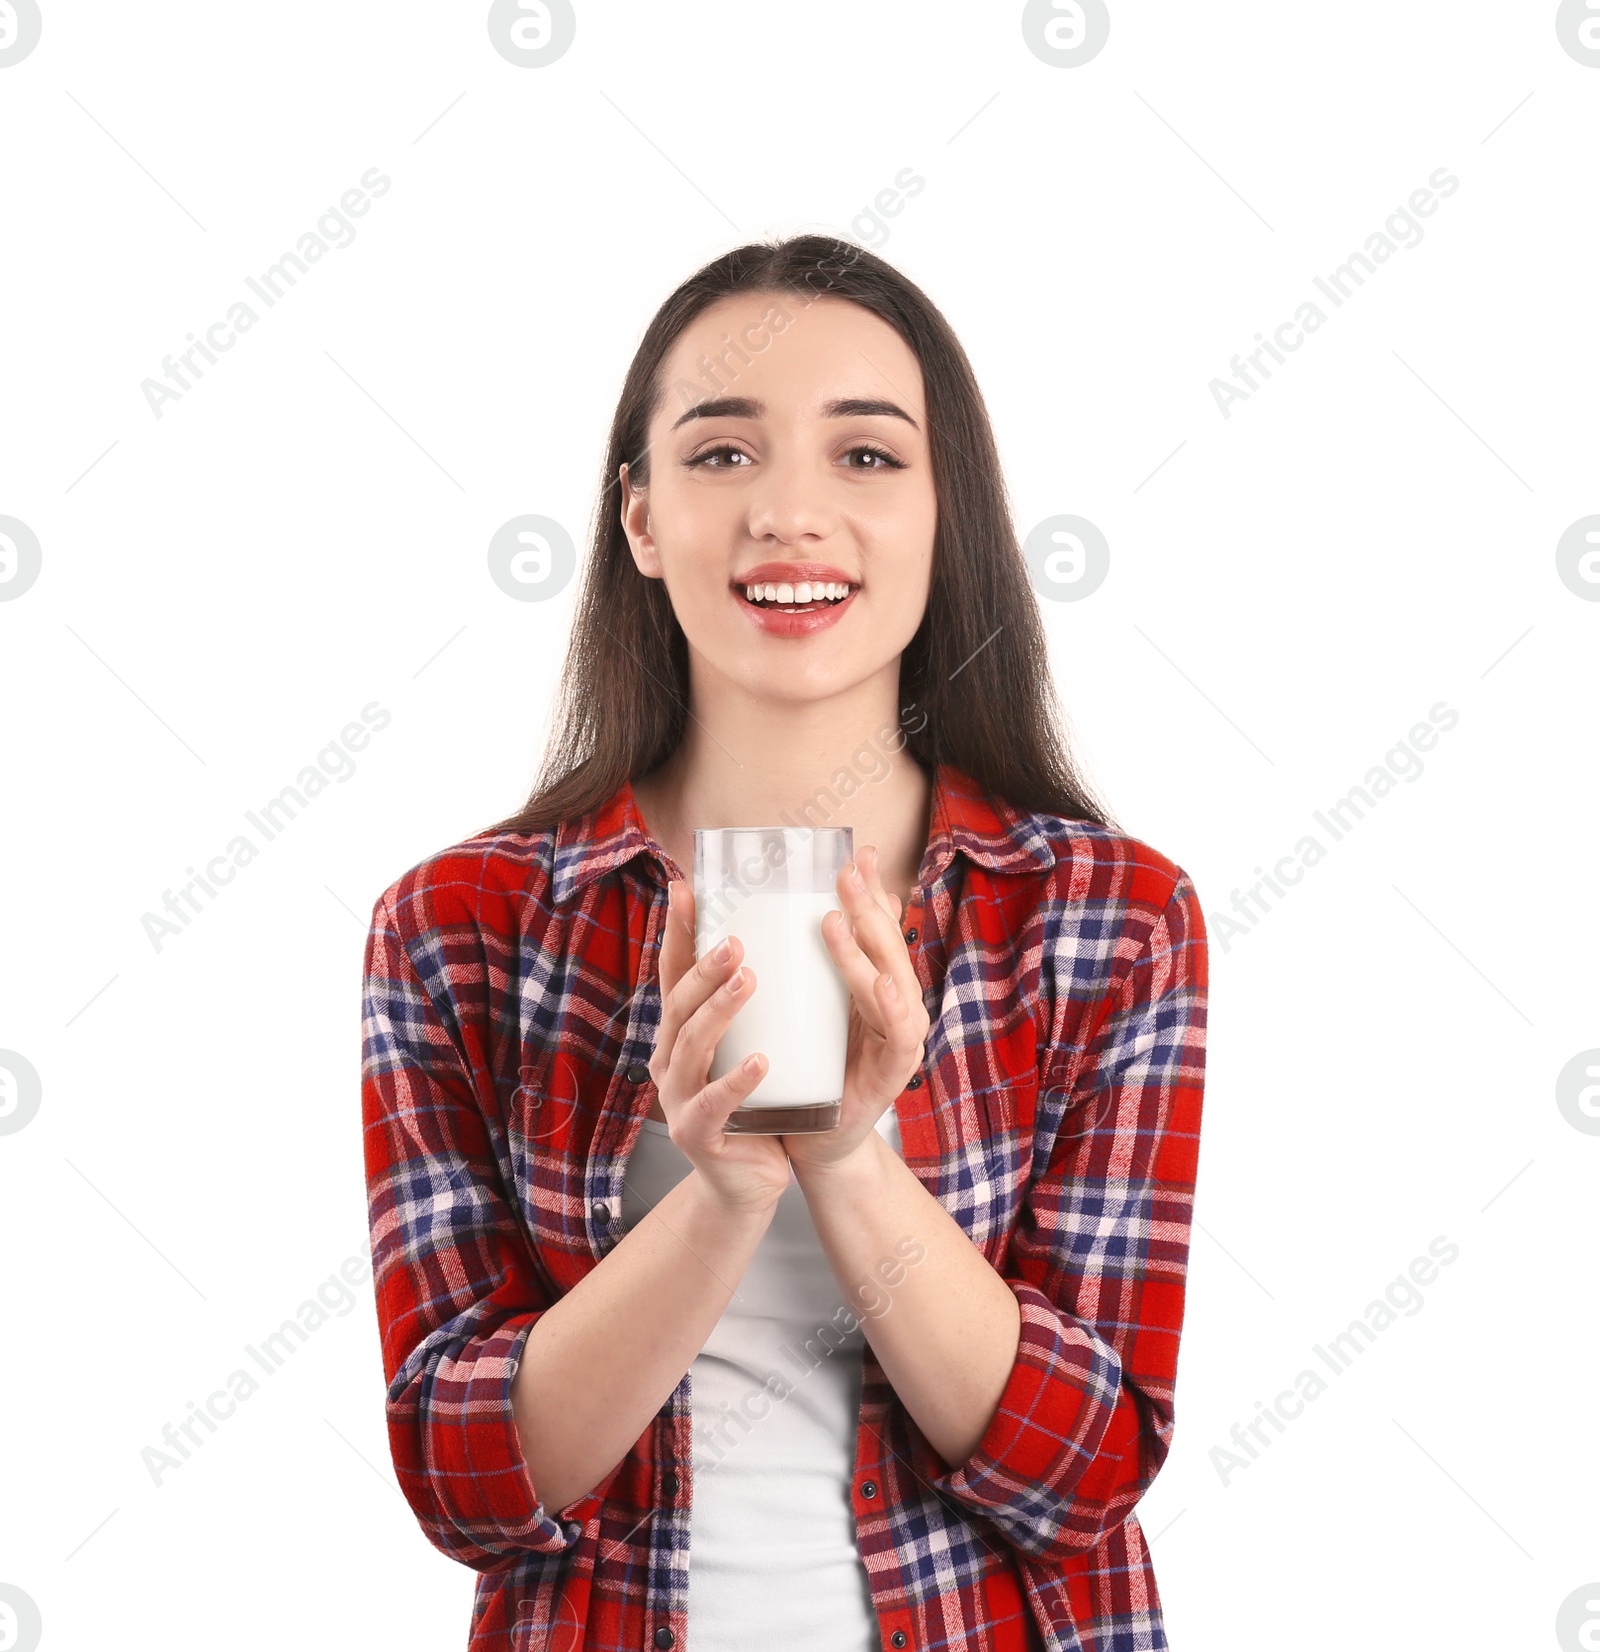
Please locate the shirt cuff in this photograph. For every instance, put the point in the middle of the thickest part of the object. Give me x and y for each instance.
(1053, 1413)
(474, 1466)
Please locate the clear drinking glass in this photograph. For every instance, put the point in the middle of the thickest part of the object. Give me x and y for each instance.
(771, 886)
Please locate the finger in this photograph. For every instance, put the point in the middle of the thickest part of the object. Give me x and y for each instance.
(901, 1027)
(890, 1015)
(710, 1109)
(877, 933)
(686, 981)
(872, 875)
(875, 882)
(704, 1029)
(899, 1016)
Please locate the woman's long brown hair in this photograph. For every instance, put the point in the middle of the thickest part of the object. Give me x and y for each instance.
(975, 684)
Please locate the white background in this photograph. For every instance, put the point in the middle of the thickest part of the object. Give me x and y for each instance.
(1291, 588)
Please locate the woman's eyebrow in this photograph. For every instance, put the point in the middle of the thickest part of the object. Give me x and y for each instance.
(747, 407)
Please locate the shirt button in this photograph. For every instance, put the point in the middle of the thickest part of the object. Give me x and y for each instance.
(601, 1214)
(869, 1488)
(638, 1072)
(916, 1079)
(911, 934)
(664, 1638)
(669, 1483)
(898, 1638)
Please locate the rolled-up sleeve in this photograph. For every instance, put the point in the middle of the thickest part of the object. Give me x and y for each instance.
(1099, 1256)
(457, 1287)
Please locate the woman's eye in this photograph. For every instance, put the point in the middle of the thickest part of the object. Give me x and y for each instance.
(883, 460)
(889, 460)
(712, 452)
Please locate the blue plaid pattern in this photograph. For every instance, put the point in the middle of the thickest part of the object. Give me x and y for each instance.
(510, 1003)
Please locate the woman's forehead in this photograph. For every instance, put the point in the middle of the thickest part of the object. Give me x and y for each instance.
(790, 356)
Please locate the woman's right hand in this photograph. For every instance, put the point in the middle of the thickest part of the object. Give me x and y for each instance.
(699, 998)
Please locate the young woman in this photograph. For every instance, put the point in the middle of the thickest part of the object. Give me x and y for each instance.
(898, 1384)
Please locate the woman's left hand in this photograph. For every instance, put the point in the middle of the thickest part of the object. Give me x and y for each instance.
(888, 1023)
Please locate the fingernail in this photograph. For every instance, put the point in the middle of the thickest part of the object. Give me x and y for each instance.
(723, 952)
(855, 876)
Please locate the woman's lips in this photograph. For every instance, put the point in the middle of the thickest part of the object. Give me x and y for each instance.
(776, 623)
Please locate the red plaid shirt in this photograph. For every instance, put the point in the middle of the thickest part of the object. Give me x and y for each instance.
(510, 1007)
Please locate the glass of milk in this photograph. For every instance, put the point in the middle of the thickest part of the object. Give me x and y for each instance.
(771, 886)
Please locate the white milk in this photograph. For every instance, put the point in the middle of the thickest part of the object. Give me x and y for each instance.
(798, 1013)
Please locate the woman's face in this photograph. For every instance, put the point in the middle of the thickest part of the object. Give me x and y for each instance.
(802, 461)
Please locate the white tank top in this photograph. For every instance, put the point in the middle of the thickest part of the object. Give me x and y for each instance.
(772, 1537)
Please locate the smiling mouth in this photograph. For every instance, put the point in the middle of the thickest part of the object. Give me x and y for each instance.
(825, 594)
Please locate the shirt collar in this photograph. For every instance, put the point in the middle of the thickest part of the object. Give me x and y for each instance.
(981, 825)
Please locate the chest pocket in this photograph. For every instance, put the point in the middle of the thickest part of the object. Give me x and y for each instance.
(1004, 1155)
(553, 1109)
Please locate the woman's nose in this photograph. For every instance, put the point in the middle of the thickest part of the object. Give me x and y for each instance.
(788, 500)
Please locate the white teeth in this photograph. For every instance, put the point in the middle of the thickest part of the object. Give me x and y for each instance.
(832, 591)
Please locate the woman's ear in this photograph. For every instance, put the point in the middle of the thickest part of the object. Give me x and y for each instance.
(635, 511)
